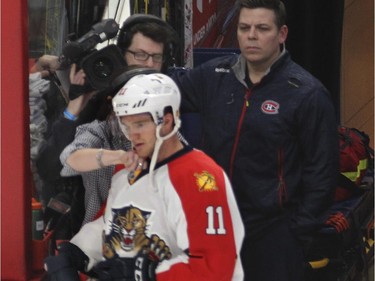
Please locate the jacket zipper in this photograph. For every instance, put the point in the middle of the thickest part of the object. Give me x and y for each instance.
(238, 133)
(282, 186)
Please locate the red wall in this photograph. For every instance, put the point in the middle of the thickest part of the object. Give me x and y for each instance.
(210, 29)
(15, 148)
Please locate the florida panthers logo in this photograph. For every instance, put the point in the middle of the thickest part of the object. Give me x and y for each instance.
(128, 227)
(128, 233)
(270, 107)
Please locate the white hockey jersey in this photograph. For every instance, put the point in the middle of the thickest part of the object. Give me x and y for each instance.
(187, 210)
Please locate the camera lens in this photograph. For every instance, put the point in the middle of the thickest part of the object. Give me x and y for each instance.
(100, 66)
(103, 67)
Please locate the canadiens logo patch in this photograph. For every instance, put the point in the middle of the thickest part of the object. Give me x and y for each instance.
(270, 107)
(206, 182)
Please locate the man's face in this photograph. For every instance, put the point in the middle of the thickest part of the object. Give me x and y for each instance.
(140, 129)
(143, 44)
(259, 37)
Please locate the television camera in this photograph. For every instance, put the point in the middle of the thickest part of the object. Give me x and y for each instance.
(99, 65)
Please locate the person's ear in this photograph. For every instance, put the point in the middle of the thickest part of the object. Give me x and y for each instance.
(167, 123)
(283, 34)
(168, 119)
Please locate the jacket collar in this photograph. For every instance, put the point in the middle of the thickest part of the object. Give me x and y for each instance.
(239, 68)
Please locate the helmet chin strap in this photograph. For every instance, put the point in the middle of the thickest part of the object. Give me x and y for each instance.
(158, 143)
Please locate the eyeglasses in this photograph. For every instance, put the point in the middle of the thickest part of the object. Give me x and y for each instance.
(143, 56)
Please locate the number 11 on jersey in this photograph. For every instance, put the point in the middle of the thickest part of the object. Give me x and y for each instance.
(215, 214)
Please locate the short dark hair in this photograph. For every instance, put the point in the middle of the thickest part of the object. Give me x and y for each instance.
(275, 5)
(154, 28)
(151, 30)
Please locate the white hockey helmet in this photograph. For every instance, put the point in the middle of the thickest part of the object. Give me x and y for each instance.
(150, 93)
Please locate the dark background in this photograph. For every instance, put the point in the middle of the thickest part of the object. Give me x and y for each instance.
(314, 40)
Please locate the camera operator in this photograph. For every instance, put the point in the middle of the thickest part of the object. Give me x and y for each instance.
(144, 40)
(60, 132)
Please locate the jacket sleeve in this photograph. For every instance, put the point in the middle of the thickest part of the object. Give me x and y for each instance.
(319, 144)
(194, 86)
(208, 226)
(48, 163)
(189, 82)
(61, 134)
(87, 136)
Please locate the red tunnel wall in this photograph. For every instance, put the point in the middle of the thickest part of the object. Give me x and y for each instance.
(15, 143)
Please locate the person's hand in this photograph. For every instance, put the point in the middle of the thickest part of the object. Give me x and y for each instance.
(76, 77)
(46, 64)
(77, 81)
(132, 161)
(133, 164)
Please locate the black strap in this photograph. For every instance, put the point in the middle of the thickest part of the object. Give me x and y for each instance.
(77, 90)
(348, 184)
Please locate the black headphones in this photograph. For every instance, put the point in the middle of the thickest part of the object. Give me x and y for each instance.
(170, 49)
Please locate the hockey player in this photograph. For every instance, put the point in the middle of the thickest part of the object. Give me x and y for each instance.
(171, 213)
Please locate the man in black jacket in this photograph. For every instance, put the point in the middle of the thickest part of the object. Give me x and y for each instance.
(271, 125)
